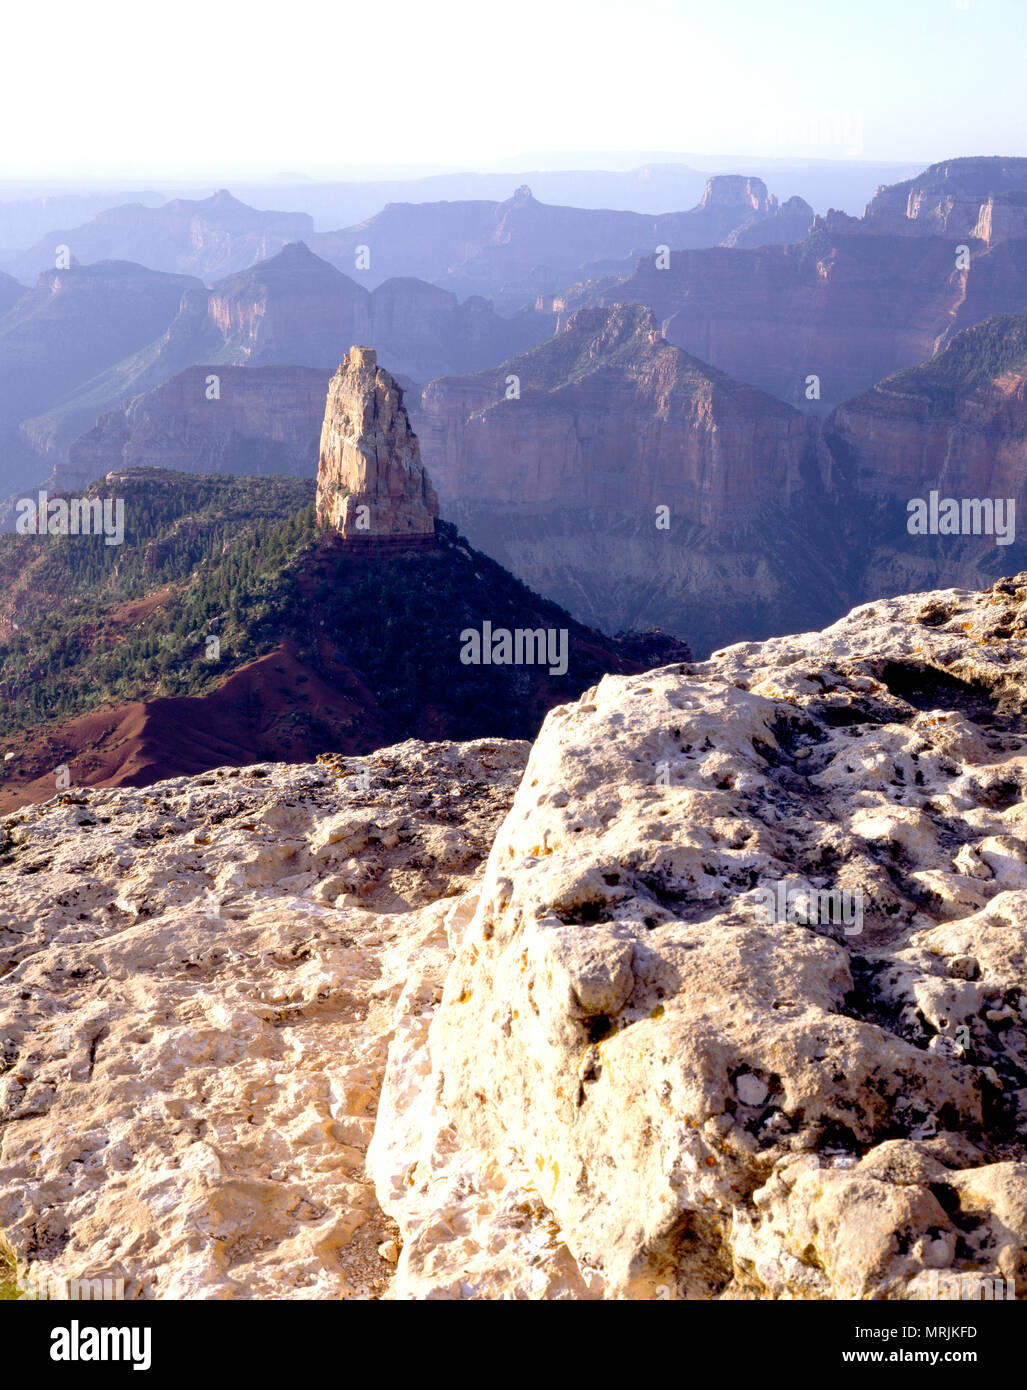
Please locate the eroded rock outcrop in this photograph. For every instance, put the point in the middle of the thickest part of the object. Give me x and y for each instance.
(979, 198)
(607, 1068)
(735, 190)
(197, 987)
(370, 478)
(706, 1104)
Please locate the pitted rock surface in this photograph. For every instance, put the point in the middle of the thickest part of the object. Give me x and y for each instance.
(710, 1104)
(196, 996)
(257, 1025)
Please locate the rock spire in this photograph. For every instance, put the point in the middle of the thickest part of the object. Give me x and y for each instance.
(370, 481)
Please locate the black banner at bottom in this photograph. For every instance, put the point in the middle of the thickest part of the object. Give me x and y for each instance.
(72, 1339)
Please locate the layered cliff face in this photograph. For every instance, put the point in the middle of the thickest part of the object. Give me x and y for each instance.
(73, 324)
(293, 309)
(429, 332)
(1002, 218)
(607, 391)
(791, 221)
(370, 479)
(957, 422)
(960, 198)
(244, 420)
(771, 518)
(635, 484)
(612, 1060)
(297, 308)
(23, 220)
(735, 190)
(955, 426)
(843, 307)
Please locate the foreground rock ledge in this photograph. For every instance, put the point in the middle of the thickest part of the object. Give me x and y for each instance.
(602, 1072)
(197, 989)
(634, 1087)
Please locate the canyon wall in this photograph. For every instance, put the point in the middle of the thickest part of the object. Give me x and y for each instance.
(261, 420)
(636, 484)
(773, 519)
(514, 249)
(292, 311)
(844, 307)
(608, 414)
(207, 237)
(957, 199)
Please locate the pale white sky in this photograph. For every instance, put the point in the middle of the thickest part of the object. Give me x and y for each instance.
(311, 86)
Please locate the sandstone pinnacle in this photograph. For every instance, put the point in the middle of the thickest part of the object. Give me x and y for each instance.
(370, 480)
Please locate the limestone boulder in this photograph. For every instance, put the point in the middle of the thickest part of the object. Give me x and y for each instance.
(198, 984)
(716, 1101)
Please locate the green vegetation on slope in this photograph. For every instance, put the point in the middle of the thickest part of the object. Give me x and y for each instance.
(973, 359)
(210, 545)
(206, 564)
